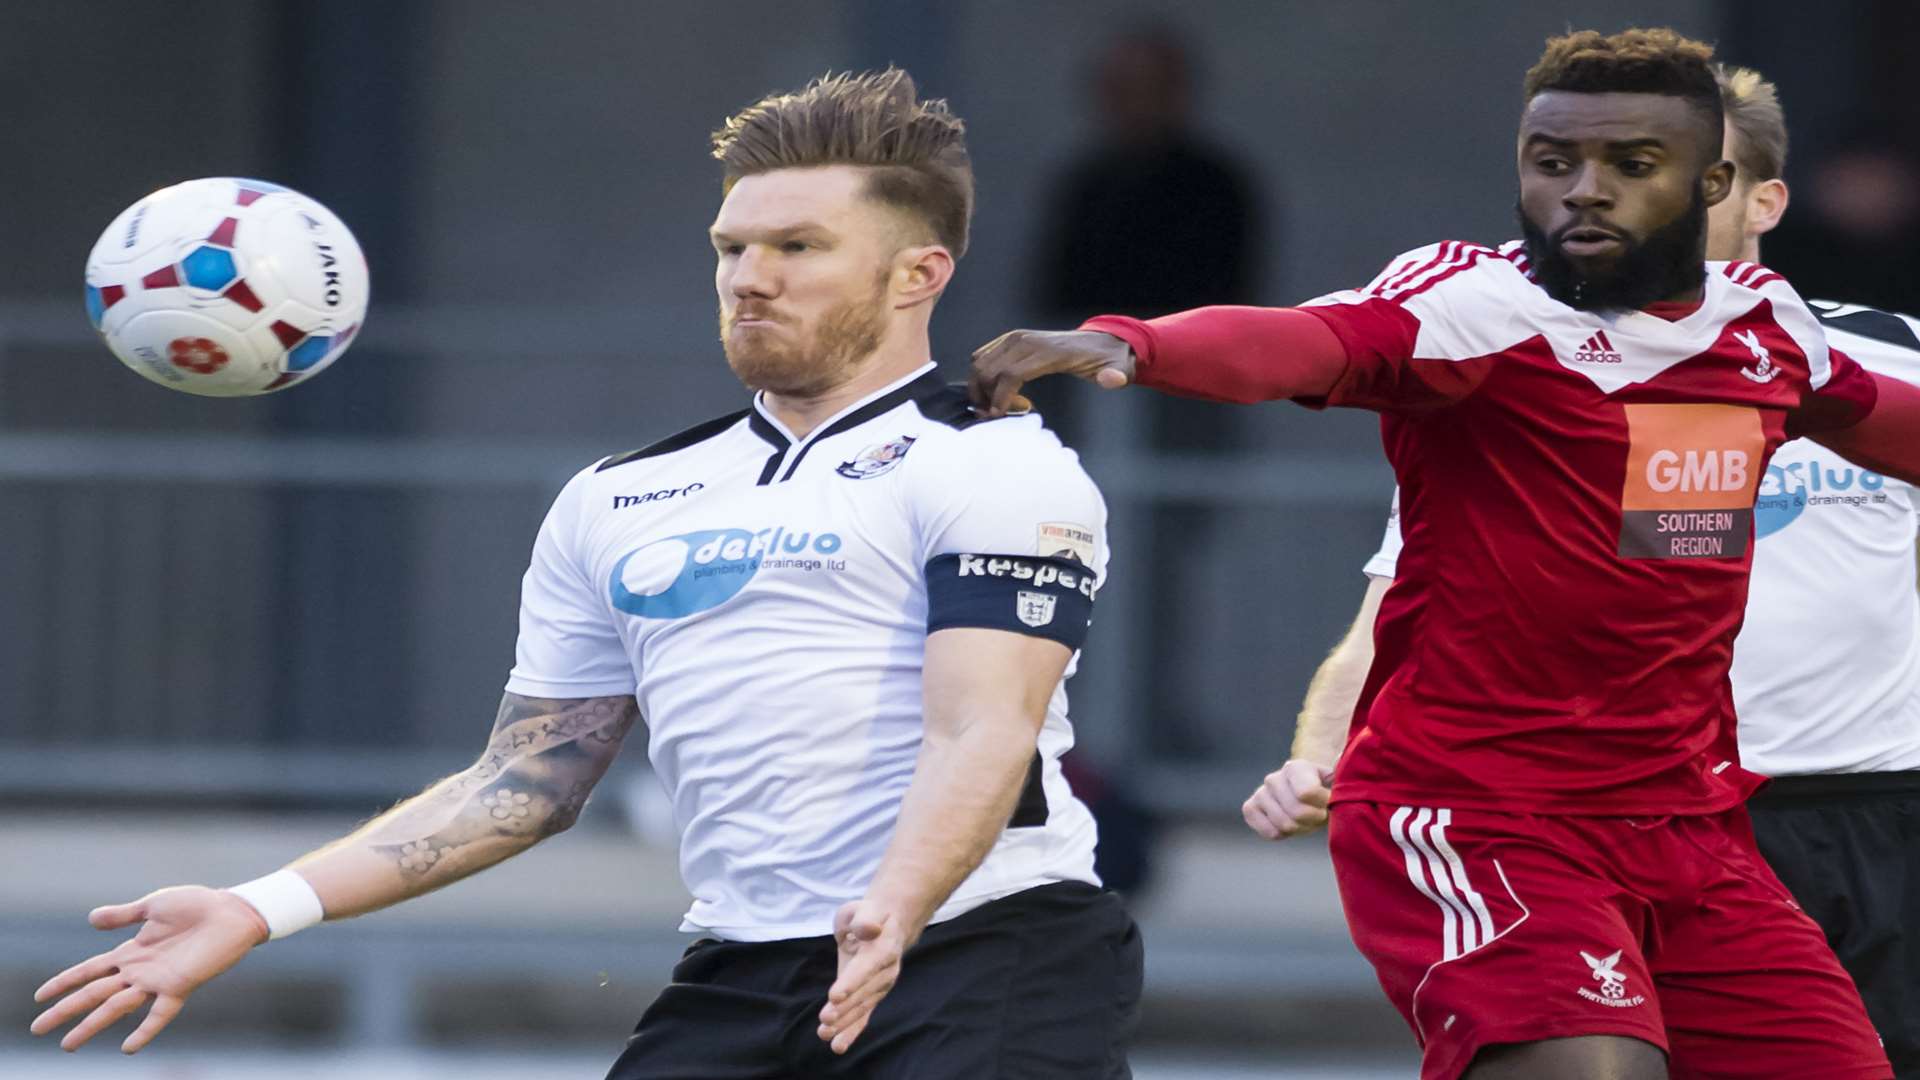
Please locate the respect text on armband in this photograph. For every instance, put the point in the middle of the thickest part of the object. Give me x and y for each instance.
(1037, 572)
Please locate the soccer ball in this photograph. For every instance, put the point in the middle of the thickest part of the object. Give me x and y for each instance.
(227, 287)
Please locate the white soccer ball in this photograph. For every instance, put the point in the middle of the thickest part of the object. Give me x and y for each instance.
(227, 287)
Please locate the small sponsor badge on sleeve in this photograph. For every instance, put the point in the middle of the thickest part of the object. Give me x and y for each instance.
(1067, 540)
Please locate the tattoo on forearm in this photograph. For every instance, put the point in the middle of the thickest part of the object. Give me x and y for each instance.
(538, 769)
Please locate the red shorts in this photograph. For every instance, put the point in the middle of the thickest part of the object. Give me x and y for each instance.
(1491, 928)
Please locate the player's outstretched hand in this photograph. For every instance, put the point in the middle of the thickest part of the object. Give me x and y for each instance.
(188, 934)
(1005, 364)
(872, 942)
(1291, 801)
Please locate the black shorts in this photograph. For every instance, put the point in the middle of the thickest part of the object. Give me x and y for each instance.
(1848, 848)
(1040, 985)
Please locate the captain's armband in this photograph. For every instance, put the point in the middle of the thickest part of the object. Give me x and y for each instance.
(1036, 595)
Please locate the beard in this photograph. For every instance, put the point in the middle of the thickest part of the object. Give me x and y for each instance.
(808, 365)
(1669, 261)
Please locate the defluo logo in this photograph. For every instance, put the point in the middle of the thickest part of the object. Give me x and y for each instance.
(697, 571)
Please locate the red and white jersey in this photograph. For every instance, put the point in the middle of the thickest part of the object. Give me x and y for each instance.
(1577, 499)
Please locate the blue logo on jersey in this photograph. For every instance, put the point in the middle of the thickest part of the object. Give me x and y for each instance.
(1785, 491)
(1783, 496)
(697, 571)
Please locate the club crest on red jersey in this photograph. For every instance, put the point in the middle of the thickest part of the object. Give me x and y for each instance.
(1762, 370)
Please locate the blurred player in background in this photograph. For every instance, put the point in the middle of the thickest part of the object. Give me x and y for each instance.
(1539, 830)
(846, 613)
(1826, 670)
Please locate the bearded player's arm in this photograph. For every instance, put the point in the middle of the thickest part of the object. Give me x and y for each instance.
(1872, 420)
(569, 706)
(1013, 537)
(1293, 799)
(1352, 348)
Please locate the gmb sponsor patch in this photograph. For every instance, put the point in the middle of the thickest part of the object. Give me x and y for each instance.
(1692, 474)
(1037, 595)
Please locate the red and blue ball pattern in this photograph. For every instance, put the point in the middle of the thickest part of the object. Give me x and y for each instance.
(213, 267)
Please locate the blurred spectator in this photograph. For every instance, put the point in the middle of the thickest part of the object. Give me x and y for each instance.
(1153, 218)
(1855, 228)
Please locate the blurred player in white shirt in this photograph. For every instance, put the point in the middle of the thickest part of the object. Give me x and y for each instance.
(846, 613)
(1826, 671)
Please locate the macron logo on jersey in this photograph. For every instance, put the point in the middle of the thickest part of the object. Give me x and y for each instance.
(621, 502)
(1598, 350)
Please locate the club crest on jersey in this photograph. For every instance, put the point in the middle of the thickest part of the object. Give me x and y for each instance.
(1034, 608)
(876, 460)
(1613, 983)
(1762, 370)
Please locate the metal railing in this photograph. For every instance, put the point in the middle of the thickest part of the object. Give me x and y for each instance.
(68, 491)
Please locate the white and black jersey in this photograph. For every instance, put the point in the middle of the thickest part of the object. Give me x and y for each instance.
(768, 599)
(1826, 671)
(1826, 674)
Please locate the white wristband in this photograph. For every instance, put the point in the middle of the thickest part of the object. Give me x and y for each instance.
(285, 900)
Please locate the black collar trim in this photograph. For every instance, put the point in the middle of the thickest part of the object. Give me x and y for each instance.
(923, 386)
(774, 437)
(699, 433)
(764, 428)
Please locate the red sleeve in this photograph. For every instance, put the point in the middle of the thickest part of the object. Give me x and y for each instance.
(1379, 336)
(1357, 354)
(1845, 400)
(1883, 433)
(1232, 354)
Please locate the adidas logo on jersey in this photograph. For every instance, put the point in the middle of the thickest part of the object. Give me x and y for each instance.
(1598, 350)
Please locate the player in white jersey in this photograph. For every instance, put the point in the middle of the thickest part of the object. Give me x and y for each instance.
(1826, 670)
(846, 615)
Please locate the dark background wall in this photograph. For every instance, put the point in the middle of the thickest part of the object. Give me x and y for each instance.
(531, 184)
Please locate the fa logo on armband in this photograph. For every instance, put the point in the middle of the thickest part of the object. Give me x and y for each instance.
(1034, 608)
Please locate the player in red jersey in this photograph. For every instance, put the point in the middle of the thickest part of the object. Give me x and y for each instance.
(1537, 828)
